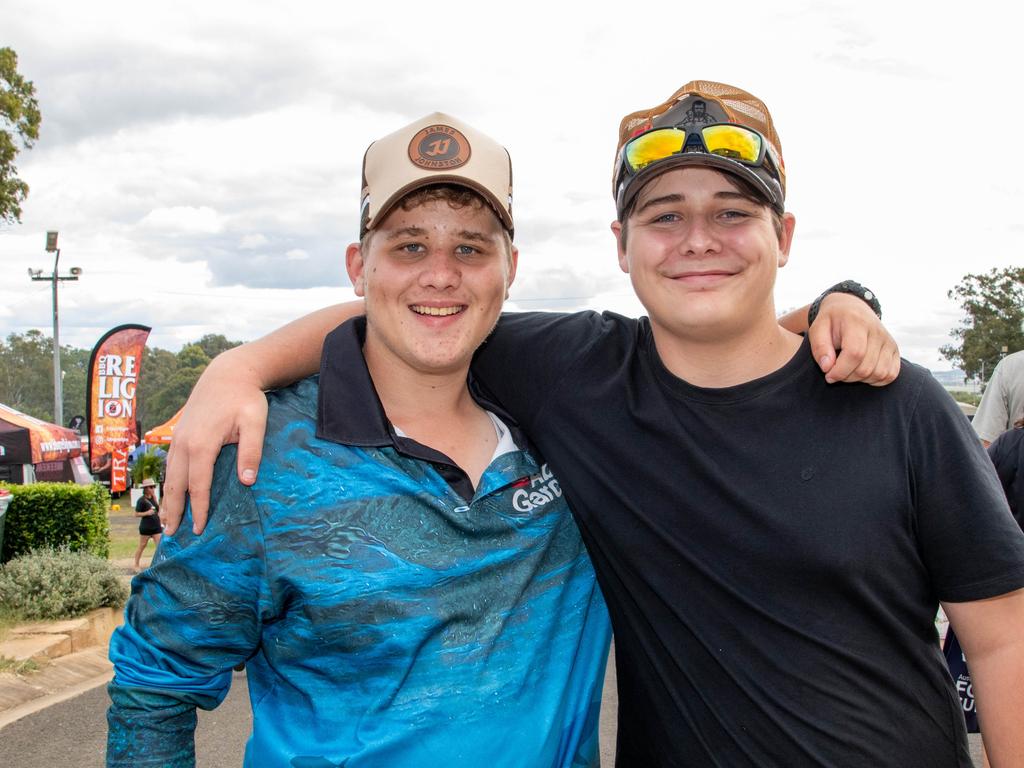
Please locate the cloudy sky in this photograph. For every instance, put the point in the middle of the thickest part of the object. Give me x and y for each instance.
(201, 159)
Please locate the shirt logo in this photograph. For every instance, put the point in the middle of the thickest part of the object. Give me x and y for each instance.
(542, 489)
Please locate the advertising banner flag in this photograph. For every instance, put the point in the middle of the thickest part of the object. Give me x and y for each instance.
(25, 439)
(111, 401)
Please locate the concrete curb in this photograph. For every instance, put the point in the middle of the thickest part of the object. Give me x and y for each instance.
(74, 655)
(63, 679)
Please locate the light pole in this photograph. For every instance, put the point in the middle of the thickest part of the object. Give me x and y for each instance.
(55, 278)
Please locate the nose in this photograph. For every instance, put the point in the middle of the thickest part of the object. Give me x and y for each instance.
(441, 271)
(699, 238)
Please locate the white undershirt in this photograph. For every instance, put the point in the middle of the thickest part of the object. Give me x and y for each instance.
(505, 442)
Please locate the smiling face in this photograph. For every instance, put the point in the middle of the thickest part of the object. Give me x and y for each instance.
(702, 256)
(434, 278)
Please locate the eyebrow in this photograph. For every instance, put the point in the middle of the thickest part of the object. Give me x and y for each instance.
(465, 234)
(406, 232)
(678, 198)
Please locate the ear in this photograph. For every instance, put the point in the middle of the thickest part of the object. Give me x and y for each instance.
(356, 268)
(616, 227)
(786, 238)
(513, 265)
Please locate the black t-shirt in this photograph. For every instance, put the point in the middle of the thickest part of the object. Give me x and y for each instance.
(149, 524)
(772, 553)
(1007, 454)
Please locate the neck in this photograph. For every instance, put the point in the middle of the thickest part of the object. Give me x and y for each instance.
(434, 409)
(725, 359)
(414, 399)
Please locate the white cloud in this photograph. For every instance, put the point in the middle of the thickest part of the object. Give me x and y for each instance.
(184, 220)
(190, 153)
(252, 242)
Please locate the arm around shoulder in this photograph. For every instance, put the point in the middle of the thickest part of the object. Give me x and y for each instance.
(227, 405)
(991, 633)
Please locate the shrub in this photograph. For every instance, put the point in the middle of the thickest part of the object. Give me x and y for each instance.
(149, 465)
(55, 515)
(55, 584)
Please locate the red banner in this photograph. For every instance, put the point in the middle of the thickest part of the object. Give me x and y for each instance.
(114, 370)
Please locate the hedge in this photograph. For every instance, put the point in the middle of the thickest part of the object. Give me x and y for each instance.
(55, 516)
(57, 584)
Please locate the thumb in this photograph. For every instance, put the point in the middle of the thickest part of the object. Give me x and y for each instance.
(251, 431)
(822, 348)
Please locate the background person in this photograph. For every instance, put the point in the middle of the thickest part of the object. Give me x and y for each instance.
(147, 509)
(1003, 402)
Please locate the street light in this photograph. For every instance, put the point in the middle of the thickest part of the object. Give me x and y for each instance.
(55, 278)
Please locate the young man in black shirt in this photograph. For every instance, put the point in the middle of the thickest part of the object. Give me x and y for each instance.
(772, 547)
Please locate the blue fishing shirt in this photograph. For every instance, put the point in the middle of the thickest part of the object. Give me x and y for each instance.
(388, 615)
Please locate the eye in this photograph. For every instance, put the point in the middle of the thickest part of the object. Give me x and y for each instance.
(734, 214)
(666, 218)
(410, 249)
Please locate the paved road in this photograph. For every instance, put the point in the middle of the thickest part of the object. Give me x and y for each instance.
(73, 733)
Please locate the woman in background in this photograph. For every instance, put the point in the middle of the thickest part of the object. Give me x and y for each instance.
(148, 510)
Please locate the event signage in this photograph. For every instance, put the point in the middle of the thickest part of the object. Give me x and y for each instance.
(112, 402)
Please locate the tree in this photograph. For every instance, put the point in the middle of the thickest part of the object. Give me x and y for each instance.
(19, 129)
(994, 303)
(26, 375)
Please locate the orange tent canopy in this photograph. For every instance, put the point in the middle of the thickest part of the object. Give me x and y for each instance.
(162, 435)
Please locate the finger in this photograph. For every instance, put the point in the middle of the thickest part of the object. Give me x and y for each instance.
(252, 424)
(855, 344)
(200, 477)
(869, 363)
(888, 368)
(173, 506)
(822, 348)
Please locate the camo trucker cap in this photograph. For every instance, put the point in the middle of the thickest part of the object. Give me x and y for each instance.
(437, 149)
(703, 123)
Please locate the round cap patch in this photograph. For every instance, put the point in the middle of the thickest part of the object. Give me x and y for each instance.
(438, 147)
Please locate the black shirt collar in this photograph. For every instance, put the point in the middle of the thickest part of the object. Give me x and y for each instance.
(349, 411)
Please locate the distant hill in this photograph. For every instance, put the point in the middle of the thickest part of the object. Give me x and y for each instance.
(952, 378)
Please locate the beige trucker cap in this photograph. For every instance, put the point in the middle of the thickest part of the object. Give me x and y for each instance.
(437, 149)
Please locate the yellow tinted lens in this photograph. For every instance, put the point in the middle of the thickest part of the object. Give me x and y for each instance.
(653, 146)
(733, 141)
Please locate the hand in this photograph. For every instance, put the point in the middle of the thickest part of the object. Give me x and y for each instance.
(224, 407)
(867, 352)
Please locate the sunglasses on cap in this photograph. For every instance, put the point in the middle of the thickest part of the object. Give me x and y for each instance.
(735, 142)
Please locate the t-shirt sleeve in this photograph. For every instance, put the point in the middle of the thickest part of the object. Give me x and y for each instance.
(142, 505)
(531, 356)
(993, 414)
(193, 615)
(970, 543)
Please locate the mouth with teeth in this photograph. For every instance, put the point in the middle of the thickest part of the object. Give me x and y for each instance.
(421, 309)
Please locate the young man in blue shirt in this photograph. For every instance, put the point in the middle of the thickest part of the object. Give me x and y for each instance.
(396, 600)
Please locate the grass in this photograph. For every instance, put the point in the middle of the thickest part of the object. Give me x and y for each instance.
(124, 528)
(9, 619)
(15, 667)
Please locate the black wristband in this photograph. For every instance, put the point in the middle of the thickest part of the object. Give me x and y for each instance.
(854, 289)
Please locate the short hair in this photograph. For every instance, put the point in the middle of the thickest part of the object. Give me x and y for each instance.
(457, 197)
